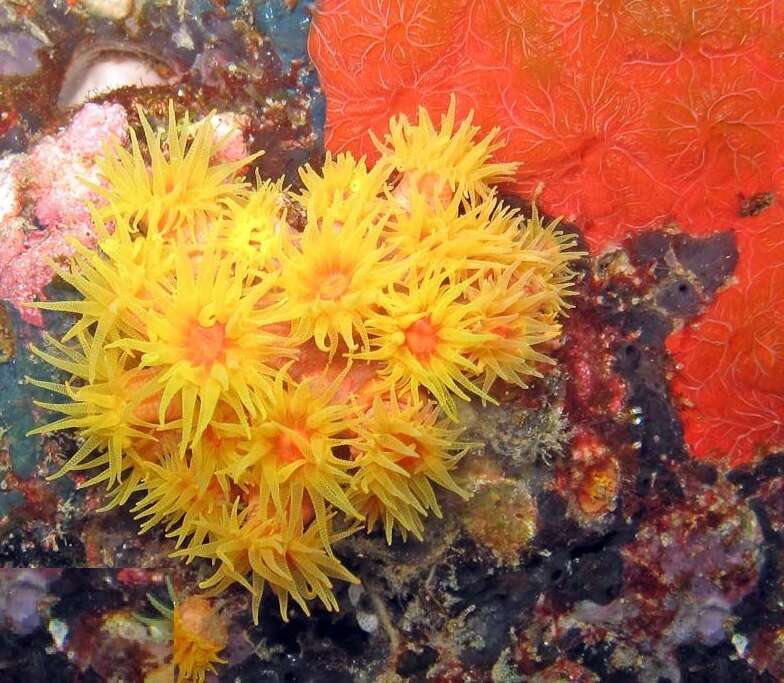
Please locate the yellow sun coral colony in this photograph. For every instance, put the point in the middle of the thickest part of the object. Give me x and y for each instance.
(259, 386)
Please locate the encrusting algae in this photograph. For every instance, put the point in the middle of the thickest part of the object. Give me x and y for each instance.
(260, 391)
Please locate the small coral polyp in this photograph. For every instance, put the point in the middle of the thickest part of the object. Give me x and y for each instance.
(261, 392)
(197, 632)
(174, 190)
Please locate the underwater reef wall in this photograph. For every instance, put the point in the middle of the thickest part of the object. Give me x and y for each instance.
(623, 518)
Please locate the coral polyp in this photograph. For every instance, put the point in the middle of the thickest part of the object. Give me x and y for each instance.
(180, 188)
(104, 409)
(293, 452)
(210, 339)
(255, 226)
(331, 286)
(343, 185)
(423, 335)
(400, 452)
(258, 390)
(439, 162)
(258, 548)
(197, 631)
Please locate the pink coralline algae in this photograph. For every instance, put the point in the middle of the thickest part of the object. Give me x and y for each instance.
(596, 398)
(49, 183)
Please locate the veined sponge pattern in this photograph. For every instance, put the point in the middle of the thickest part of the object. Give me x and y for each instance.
(262, 371)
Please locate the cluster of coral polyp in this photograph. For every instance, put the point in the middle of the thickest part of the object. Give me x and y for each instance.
(630, 116)
(262, 371)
